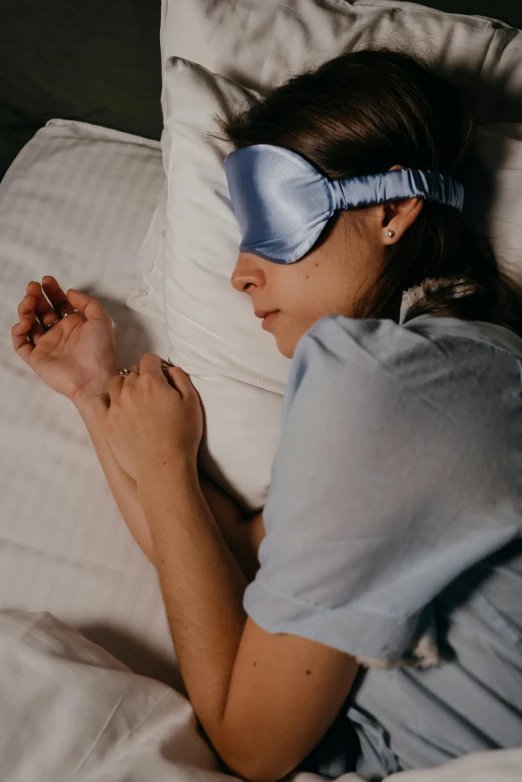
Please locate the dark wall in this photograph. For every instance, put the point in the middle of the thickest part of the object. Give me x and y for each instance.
(509, 11)
(91, 60)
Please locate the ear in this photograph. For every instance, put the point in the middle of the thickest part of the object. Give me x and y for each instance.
(399, 215)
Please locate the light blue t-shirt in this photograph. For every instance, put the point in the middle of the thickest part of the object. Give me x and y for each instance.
(394, 515)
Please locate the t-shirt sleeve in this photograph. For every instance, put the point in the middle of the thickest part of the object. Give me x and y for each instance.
(380, 495)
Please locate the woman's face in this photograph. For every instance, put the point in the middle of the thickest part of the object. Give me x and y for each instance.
(328, 280)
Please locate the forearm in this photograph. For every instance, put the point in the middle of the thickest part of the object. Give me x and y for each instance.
(122, 486)
(241, 534)
(202, 587)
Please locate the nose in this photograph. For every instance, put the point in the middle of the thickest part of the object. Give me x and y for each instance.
(247, 271)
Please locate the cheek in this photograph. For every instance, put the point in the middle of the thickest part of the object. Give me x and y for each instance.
(300, 290)
(300, 283)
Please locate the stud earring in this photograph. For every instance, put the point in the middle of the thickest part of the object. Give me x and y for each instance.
(390, 233)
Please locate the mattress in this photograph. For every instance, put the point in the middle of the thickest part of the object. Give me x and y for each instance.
(76, 203)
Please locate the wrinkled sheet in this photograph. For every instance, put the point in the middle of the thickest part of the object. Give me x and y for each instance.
(71, 711)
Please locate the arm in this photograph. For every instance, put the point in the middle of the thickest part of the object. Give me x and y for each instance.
(281, 663)
(122, 486)
(264, 700)
(241, 535)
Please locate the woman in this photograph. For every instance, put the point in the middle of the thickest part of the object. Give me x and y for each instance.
(384, 623)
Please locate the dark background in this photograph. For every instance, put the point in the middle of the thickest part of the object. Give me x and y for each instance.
(99, 61)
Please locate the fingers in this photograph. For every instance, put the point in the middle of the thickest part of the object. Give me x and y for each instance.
(89, 305)
(28, 331)
(56, 296)
(20, 336)
(116, 383)
(44, 311)
(154, 362)
(27, 315)
(181, 381)
(151, 363)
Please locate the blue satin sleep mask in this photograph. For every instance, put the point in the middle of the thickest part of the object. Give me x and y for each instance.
(282, 202)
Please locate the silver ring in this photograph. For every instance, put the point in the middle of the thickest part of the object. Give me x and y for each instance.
(125, 372)
(59, 319)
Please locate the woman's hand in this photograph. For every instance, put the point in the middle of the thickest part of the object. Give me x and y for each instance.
(77, 354)
(154, 419)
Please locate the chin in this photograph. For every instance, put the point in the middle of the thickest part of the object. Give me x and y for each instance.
(286, 339)
(285, 347)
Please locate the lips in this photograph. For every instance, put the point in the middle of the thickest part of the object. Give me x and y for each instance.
(268, 319)
(263, 313)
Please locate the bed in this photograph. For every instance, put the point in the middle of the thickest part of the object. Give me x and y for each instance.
(120, 215)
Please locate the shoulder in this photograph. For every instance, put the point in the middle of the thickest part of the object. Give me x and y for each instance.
(337, 348)
(436, 361)
(335, 343)
(388, 343)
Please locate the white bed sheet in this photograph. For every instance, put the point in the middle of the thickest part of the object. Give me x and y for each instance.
(76, 203)
(69, 710)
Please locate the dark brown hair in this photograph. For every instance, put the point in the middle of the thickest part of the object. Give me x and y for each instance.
(361, 113)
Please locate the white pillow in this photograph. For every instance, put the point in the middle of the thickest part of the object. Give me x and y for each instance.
(258, 44)
(214, 335)
(146, 295)
(494, 191)
(211, 326)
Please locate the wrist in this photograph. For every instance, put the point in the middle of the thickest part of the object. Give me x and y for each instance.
(84, 396)
(83, 400)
